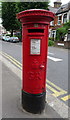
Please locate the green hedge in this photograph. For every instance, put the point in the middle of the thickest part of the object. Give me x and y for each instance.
(50, 43)
(51, 38)
(60, 32)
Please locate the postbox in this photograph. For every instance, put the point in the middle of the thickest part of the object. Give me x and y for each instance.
(35, 26)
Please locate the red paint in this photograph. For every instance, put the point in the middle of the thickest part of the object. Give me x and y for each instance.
(34, 65)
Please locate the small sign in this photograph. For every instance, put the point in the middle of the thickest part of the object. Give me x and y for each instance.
(35, 46)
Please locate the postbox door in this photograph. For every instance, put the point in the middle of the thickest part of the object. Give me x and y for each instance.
(35, 64)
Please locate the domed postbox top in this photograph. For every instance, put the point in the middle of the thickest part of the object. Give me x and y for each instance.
(35, 15)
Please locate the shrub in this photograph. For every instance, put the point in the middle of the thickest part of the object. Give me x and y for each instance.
(50, 43)
(51, 38)
(60, 33)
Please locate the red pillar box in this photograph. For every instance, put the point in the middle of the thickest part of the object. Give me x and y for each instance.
(35, 26)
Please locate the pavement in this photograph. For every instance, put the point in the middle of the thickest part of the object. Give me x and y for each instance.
(11, 96)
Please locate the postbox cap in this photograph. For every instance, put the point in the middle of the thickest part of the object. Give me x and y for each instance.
(36, 15)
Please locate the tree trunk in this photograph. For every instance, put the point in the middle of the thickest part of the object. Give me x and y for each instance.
(11, 33)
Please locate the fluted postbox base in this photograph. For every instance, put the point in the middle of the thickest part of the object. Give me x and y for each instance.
(33, 103)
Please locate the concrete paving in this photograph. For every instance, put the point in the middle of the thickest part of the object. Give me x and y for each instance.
(11, 98)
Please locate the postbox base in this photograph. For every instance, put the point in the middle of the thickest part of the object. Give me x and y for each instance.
(33, 103)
